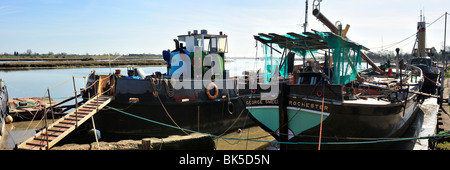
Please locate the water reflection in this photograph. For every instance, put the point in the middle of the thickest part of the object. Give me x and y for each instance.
(34, 83)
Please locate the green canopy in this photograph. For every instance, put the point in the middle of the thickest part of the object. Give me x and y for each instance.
(346, 54)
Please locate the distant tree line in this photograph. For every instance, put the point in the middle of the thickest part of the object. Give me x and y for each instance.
(381, 57)
(144, 55)
(29, 53)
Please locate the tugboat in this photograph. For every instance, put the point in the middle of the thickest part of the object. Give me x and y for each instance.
(199, 96)
(423, 58)
(331, 102)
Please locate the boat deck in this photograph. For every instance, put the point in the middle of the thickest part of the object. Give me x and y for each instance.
(32, 107)
(371, 101)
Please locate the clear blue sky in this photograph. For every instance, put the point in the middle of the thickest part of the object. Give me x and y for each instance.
(145, 26)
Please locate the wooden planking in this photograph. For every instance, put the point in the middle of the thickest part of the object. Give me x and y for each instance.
(314, 36)
(281, 38)
(298, 36)
(265, 35)
(62, 127)
(428, 95)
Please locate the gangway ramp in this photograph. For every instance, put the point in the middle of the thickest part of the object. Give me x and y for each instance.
(51, 135)
(444, 99)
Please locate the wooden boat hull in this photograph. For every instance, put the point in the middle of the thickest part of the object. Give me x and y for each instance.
(342, 120)
(429, 84)
(431, 74)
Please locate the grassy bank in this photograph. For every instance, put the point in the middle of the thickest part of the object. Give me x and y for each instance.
(444, 119)
(75, 61)
(71, 57)
(75, 64)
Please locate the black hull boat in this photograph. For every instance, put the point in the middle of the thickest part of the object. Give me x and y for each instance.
(187, 109)
(423, 58)
(4, 108)
(431, 73)
(154, 102)
(330, 105)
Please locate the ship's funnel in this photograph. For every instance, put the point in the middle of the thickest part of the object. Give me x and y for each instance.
(421, 27)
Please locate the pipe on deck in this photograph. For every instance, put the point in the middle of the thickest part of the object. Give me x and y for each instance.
(333, 29)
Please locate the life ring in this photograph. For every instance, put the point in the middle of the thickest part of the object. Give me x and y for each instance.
(216, 91)
(319, 93)
(197, 62)
(230, 107)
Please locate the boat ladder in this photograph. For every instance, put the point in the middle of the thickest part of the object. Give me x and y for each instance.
(49, 136)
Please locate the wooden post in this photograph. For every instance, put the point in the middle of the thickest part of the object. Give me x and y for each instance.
(146, 144)
(283, 117)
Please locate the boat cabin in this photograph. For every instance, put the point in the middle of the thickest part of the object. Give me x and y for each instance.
(423, 60)
(426, 64)
(208, 44)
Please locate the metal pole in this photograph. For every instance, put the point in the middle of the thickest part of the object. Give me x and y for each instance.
(334, 29)
(95, 132)
(51, 107)
(46, 127)
(445, 38)
(445, 58)
(306, 17)
(76, 102)
(283, 117)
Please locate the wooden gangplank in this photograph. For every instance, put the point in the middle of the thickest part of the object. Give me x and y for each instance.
(425, 94)
(445, 99)
(46, 139)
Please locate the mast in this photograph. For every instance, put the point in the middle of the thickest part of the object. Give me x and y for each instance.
(306, 17)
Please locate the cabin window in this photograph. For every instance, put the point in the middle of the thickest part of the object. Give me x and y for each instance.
(198, 42)
(223, 44)
(213, 45)
(300, 80)
(180, 38)
(313, 80)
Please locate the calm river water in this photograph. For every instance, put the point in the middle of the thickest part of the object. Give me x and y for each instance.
(34, 83)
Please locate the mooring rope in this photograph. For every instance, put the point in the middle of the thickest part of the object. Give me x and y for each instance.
(292, 143)
(321, 116)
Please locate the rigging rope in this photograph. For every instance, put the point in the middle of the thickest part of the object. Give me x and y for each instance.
(162, 104)
(321, 115)
(26, 131)
(396, 43)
